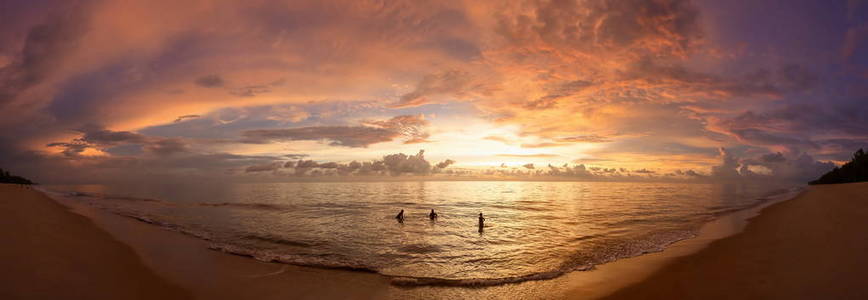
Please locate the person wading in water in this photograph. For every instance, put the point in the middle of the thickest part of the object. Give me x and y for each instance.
(400, 216)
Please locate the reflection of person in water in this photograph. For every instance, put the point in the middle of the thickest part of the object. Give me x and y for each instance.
(432, 215)
(400, 216)
(481, 222)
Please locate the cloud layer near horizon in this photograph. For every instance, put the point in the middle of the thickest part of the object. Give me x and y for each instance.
(654, 87)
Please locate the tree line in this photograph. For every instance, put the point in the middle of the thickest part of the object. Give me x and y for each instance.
(5, 177)
(854, 171)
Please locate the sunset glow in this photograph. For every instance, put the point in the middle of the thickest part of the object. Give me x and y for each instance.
(664, 88)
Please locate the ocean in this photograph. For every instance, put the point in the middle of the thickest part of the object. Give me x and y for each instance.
(533, 230)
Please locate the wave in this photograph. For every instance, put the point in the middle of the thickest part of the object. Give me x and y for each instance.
(165, 225)
(289, 259)
(282, 241)
(773, 196)
(254, 205)
(397, 280)
(420, 248)
(113, 197)
(573, 264)
(262, 206)
(409, 281)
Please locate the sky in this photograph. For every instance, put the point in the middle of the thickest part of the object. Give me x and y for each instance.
(702, 90)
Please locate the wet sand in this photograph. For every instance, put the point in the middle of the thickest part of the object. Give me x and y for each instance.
(810, 247)
(50, 253)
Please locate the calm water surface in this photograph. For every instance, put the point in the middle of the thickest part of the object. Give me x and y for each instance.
(534, 230)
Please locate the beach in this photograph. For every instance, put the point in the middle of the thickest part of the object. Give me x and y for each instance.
(808, 247)
(50, 253)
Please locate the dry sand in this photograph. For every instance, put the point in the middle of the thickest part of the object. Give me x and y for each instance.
(810, 247)
(49, 253)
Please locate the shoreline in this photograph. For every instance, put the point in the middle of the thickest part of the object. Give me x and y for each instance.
(52, 253)
(594, 283)
(211, 274)
(809, 247)
(206, 273)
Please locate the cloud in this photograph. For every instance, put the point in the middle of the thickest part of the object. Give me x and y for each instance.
(296, 155)
(397, 164)
(401, 163)
(559, 91)
(593, 138)
(451, 82)
(263, 168)
(70, 149)
(589, 160)
(498, 139)
(44, 48)
(347, 136)
(444, 164)
(798, 167)
(97, 137)
(644, 171)
(605, 26)
(411, 128)
(644, 81)
(167, 146)
(288, 113)
(728, 168)
(210, 81)
(185, 117)
(796, 127)
(250, 90)
(543, 145)
(540, 155)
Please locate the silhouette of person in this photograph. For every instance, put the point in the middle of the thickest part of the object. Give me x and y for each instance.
(432, 215)
(481, 222)
(400, 216)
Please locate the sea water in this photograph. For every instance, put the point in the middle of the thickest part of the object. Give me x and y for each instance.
(533, 230)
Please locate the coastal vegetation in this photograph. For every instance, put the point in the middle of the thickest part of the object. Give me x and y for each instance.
(5, 177)
(854, 171)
